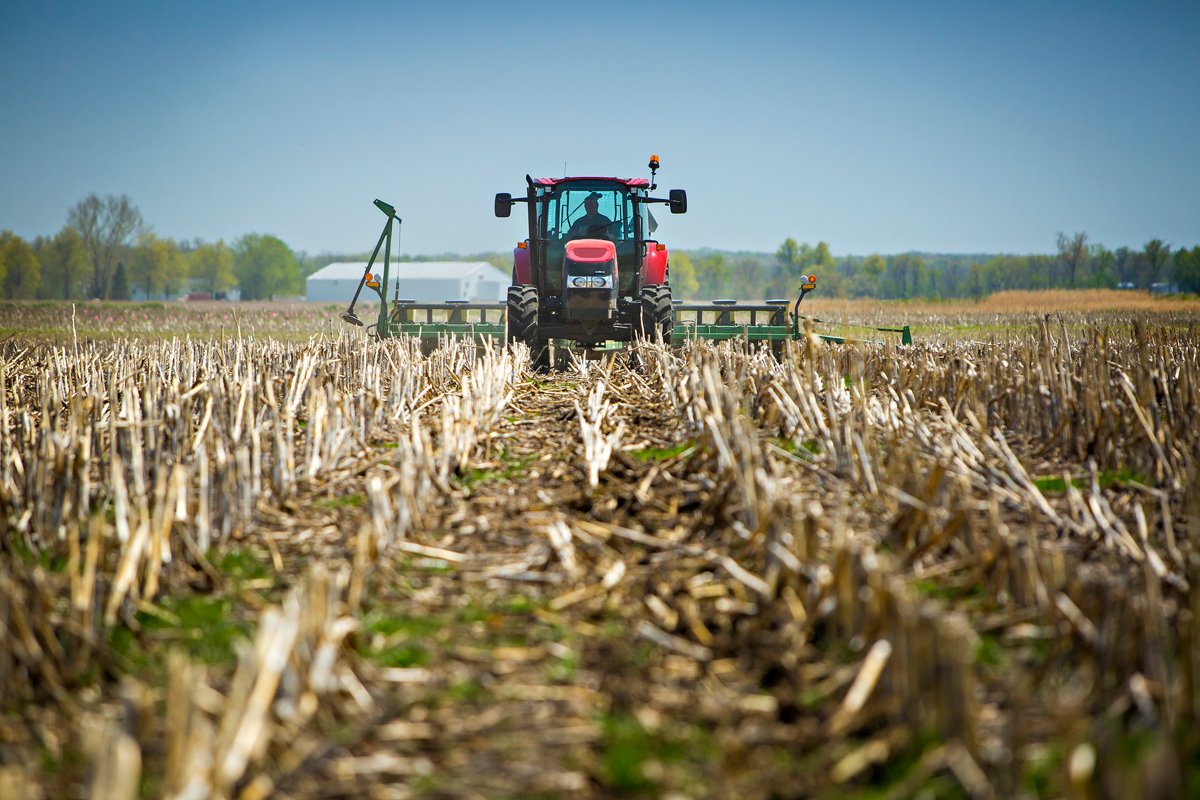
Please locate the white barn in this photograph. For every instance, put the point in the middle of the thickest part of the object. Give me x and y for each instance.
(423, 281)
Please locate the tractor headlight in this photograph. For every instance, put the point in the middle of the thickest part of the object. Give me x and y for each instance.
(592, 282)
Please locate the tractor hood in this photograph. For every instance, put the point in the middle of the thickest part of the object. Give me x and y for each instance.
(591, 252)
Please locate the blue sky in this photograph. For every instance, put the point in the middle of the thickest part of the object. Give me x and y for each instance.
(878, 127)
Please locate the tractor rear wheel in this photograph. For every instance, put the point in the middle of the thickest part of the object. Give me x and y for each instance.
(523, 323)
(658, 316)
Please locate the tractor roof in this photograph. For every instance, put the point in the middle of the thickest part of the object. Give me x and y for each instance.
(630, 182)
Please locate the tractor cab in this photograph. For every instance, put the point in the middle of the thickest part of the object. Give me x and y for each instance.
(599, 211)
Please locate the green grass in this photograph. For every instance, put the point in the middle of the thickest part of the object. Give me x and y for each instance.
(1054, 484)
(398, 640)
(812, 699)
(1042, 775)
(473, 614)
(402, 639)
(989, 653)
(1189, 747)
(937, 590)
(1050, 484)
(563, 670)
(804, 449)
(511, 467)
(613, 629)
(377, 623)
(403, 655)
(518, 604)
(627, 745)
(242, 563)
(207, 631)
(45, 559)
(465, 691)
(346, 501)
(552, 383)
(660, 453)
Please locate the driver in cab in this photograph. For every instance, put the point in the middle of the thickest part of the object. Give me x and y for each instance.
(592, 224)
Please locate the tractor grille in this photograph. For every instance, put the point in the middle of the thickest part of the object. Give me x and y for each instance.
(589, 304)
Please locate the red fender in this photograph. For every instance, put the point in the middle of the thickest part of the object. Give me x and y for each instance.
(654, 265)
(521, 274)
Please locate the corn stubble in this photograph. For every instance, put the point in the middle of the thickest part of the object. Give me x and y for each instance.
(966, 567)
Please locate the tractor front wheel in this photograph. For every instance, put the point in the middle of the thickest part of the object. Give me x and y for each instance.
(658, 316)
(523, 324)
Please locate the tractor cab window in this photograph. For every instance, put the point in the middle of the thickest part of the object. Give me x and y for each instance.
(649, 223)
(589, 212)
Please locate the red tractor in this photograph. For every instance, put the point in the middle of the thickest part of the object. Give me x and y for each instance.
(590, 271)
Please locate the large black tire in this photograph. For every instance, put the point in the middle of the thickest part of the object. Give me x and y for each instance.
(658, 316)
(522, 326)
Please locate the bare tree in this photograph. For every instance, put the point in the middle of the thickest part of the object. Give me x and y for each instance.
(1126, 261)
(1073, 252)
(1156, 253)
(105, 225)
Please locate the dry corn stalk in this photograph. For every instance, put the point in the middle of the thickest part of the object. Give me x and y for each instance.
(597, 445)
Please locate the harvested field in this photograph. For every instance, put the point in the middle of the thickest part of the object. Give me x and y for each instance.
(304, 564)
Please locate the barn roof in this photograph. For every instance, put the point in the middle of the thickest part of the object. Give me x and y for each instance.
(354, 270)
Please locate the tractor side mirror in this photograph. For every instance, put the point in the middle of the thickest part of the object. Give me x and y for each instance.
(503, 204)
(678, 201)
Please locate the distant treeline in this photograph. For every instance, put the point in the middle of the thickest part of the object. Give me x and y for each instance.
(1076, 264)
(105, 250)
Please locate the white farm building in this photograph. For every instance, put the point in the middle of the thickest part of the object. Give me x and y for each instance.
(423, 281)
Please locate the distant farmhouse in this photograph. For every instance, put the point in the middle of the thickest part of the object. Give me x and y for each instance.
(194, 289)
(423, 281)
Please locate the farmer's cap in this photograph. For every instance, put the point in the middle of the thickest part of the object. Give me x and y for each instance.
(593, 196)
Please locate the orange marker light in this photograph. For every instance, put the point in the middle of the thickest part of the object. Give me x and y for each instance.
(660, 247)
(812, 278)
(522, 245)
